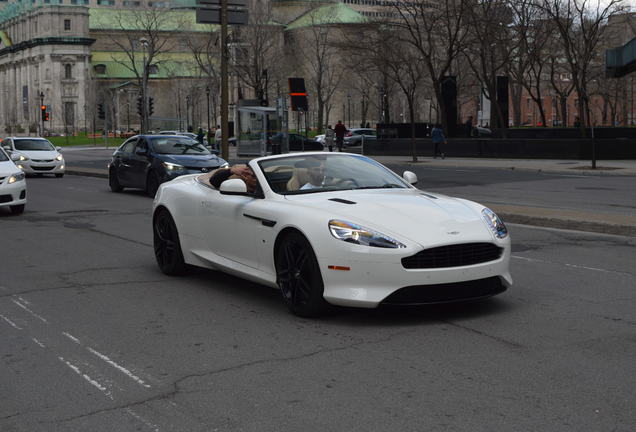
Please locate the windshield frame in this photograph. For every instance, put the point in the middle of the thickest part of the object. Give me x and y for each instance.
(400, 182)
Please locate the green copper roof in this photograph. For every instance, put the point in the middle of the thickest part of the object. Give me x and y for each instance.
(169, 65)
(118, 19)
(334, 13)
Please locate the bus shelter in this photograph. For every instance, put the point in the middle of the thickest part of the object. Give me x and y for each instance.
(257, 128)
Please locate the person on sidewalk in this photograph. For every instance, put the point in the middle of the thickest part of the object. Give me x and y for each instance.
(340, 131)
(200, 136)
(438, 138)
(469, 127)
(329, 137)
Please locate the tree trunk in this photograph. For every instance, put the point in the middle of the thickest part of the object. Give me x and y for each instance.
(411, 103)
(516, 104)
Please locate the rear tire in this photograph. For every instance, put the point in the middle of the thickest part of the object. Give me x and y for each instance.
(167, 245)
(59, 175)
(298, 276)
(113, 182)
(17, 209)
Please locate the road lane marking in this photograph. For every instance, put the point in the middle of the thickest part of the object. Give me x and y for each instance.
(38, 342)
(29, 310)
(11, 323)
(143, 420)
(567, 265)
(105, 358)
(90, 380)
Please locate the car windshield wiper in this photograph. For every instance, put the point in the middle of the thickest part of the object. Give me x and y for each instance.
(384, 186)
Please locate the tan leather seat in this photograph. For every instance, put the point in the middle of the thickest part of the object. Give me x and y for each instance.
(298, 179)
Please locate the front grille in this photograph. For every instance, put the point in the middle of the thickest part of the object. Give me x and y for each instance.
(42, 160)
(446, 293)
(42, 168)
(456, 255)
(5, 198)
(201, 169)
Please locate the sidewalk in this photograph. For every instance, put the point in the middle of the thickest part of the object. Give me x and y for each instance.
(593, 221)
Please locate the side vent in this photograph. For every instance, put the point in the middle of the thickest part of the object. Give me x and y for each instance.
(340, 200)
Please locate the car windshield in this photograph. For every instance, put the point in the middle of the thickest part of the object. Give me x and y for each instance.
(33, 144)
(178, 145)
(3, 156)
(302, 174)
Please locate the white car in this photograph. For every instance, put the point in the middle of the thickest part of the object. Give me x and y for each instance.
(333, 228)
(35, 155)
(12, 185)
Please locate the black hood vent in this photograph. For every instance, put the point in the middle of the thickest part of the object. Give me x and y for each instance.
(340, 200)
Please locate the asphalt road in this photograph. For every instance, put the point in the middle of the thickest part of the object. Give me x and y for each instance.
(94, 337)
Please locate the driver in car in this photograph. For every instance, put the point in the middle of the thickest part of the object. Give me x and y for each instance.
(239, 171)
(316, 173)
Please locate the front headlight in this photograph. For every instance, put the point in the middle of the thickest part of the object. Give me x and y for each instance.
(225, 165)
(15, 178)
(357, 234)
(23, 158)
(59, 158)
(495, 224)
(172, 167)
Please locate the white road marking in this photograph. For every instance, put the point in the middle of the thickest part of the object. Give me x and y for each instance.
(11, 323)
(23, 300)
(105, 358)
(38, 342)
(29, 311)
(90, 380)
(143, 420)
(565, 264)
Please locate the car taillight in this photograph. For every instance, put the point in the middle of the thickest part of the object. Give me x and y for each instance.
(349, 134)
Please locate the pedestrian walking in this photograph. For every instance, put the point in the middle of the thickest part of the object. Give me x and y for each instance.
(340, 131)
(200, 135)
(469, 126)
(329, 137)
(438, 138)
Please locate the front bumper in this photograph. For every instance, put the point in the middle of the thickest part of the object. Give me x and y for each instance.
(373, 279)
(12, 194)
(32, 166)
(173, 174)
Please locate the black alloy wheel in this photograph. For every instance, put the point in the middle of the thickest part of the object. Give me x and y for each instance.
(298, 276)
(113, 181)
(152, 184)
(166, 244)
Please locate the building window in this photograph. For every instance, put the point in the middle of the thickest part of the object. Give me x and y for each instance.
(68, 71)
(153, 69)
(67, 24)
(100, 69)
(132, 3)
(106, 2)
(79, 2)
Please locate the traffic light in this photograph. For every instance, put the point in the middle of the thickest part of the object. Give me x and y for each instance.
(151, 108)
(43, 112)
(100, 111)
(298, 94)
(139, 106)
(46, 116)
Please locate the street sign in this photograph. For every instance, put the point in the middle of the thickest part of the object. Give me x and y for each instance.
(213, 16)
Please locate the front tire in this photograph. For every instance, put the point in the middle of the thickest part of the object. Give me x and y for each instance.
(298, 276)
(17, 209)
(152, 184)
(113, 181)
(166, 244)
(59, 175)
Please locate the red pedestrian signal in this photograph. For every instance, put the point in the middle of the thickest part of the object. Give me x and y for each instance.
(45, 115)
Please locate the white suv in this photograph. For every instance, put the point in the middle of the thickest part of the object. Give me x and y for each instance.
(35, 155)
(12, 185)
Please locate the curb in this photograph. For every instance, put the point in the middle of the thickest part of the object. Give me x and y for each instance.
(547, 221)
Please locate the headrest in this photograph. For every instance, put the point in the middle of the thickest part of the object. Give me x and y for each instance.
(307, 163)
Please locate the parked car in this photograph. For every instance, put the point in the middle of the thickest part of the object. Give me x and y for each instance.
(483, 131)
(317, 228)
(297, 142)
(320, 138)
(12, 184)
(146, 161)
(354, 136)
(187, 134)
(35, 155)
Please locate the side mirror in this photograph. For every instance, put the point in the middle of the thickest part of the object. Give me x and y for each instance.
(410, 177)
(15, 157)
(58, 148)
(233, 187)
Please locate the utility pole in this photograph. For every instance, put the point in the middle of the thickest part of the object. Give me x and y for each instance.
(225, 151)
(41, 117)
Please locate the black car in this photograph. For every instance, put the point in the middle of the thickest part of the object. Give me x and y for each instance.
(146, 161)
(297, 142)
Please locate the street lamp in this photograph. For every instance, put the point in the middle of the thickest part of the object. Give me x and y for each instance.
(144, 84)
(349, 107)
(188, 113)
(207, 94)
(42, 117)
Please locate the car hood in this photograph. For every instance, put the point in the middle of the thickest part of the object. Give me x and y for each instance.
(194, 160)
(8, 168)
(422, 217)
(38, 154)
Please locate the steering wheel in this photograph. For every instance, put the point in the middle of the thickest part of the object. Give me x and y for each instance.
(348, 179)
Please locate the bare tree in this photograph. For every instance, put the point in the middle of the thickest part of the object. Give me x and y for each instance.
(142, 35)
(580, 25)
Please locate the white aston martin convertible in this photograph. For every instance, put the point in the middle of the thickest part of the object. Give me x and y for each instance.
(333, 228)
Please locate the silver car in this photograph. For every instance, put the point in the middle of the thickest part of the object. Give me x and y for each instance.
(355, 135)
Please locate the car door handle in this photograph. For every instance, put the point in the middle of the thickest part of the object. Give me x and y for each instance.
(266, 222)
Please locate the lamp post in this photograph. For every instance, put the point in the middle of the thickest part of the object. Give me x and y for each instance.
(41, 117)
(349, 108)
(207, 94)
(188, 113)
(144, 85)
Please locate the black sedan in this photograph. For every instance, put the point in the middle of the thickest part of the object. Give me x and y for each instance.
(146, 161)
(297, 142)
